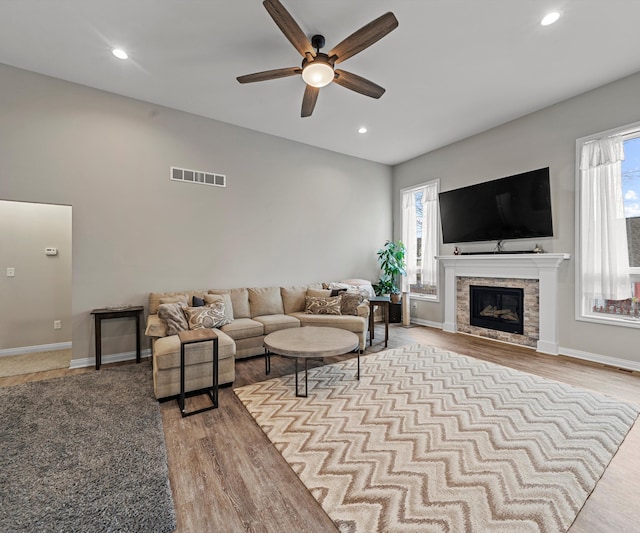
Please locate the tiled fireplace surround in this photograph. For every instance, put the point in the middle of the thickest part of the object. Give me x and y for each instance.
(537, 274)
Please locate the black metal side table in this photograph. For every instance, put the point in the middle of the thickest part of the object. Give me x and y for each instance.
(192, 337)
(385, 302)
(106, 313)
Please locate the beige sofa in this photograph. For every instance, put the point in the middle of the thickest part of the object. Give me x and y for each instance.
(255, 312)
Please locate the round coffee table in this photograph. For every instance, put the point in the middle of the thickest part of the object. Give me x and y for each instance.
(310, 342)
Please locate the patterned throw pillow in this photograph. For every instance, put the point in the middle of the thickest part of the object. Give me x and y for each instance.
(173, 317)
(223, 298)
(350, 302)
(314, 305)
(211, 316)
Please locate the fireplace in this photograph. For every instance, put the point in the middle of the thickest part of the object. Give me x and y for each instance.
(499, 308)
(537, 274)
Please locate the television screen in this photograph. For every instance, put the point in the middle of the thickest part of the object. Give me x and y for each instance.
(515, 207)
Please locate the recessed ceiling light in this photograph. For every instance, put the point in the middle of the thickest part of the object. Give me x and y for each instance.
(362, 130)
(550, 18)
(119, 53)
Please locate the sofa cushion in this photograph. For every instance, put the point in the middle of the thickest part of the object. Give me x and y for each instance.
(197, 301)
(265, 301)
(207, 317)
(166, 351)
(154, 299)
(273, 323)
(319, 293)
(182, 298)
(225, 299)
(323, 306)
(293, 298)
(356, 324)
(241, 328)
(239, 301)
(173, 317)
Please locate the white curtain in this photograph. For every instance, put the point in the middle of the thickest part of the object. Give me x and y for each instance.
(429, 242)
(603, 230)
(409, 238)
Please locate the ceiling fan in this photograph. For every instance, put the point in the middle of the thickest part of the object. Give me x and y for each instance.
(318, 69)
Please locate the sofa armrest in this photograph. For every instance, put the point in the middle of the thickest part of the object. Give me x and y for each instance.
(155, 327)
(363, 309)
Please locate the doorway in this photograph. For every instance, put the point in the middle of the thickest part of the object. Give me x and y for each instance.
(35, 286)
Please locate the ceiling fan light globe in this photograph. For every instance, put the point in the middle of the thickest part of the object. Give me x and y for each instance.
(317, 74)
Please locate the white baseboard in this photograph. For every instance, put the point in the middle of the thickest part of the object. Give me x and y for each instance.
(106, 359)
(569, 352)
(38, 348)
(603, 359)
(428, 323)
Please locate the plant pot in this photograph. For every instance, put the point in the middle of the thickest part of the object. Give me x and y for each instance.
(395, 298)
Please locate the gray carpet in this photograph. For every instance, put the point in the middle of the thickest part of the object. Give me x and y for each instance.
(84, 453)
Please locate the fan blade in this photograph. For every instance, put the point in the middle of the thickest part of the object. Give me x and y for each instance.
(269, 74)
(309, 100)
(288, 26)
(365, 37)
(358, 84)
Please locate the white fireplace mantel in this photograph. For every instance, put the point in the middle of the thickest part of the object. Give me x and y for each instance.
(543, 267)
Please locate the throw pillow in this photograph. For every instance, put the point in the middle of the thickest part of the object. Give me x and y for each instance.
(315, 305)
(211, 316)
(173, 317)
(335, 292)
(225, 299)
(198, 302)
(350, 302)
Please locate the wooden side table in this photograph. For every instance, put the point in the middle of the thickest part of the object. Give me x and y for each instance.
(384, 302)
(192, 337)
(106, 313)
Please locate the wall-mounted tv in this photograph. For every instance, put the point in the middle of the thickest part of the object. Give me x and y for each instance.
(515, 207)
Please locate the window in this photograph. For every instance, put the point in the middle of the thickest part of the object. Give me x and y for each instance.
(420, 237)
(609, 226)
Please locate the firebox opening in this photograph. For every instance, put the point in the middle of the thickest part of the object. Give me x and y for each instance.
(499, 308)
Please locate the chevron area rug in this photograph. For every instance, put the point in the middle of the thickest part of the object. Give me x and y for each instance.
(433, 441)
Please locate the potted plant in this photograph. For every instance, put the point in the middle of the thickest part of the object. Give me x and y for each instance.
(391, 258)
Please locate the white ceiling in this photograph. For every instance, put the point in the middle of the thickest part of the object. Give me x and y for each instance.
(451, 69)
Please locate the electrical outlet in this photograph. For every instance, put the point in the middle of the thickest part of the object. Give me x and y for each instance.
(57, 324)
(11, 272)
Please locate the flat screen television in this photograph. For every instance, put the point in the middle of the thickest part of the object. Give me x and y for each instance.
(515, 207)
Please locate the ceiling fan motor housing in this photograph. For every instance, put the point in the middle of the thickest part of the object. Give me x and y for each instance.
(317, 41)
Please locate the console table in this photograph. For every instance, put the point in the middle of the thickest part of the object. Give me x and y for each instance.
(105, 314)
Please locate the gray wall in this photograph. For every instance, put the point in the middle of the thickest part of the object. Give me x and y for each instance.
(545, 138)
(291, 213)
(40, 291)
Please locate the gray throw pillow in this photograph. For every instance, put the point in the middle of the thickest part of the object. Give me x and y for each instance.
(173, 317)
(350, 303)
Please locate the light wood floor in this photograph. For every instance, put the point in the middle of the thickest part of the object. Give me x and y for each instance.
(226, 475)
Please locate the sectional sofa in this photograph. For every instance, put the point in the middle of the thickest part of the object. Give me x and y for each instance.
(251, 313)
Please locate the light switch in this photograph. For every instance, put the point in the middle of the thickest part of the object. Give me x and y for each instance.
(11, 272)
